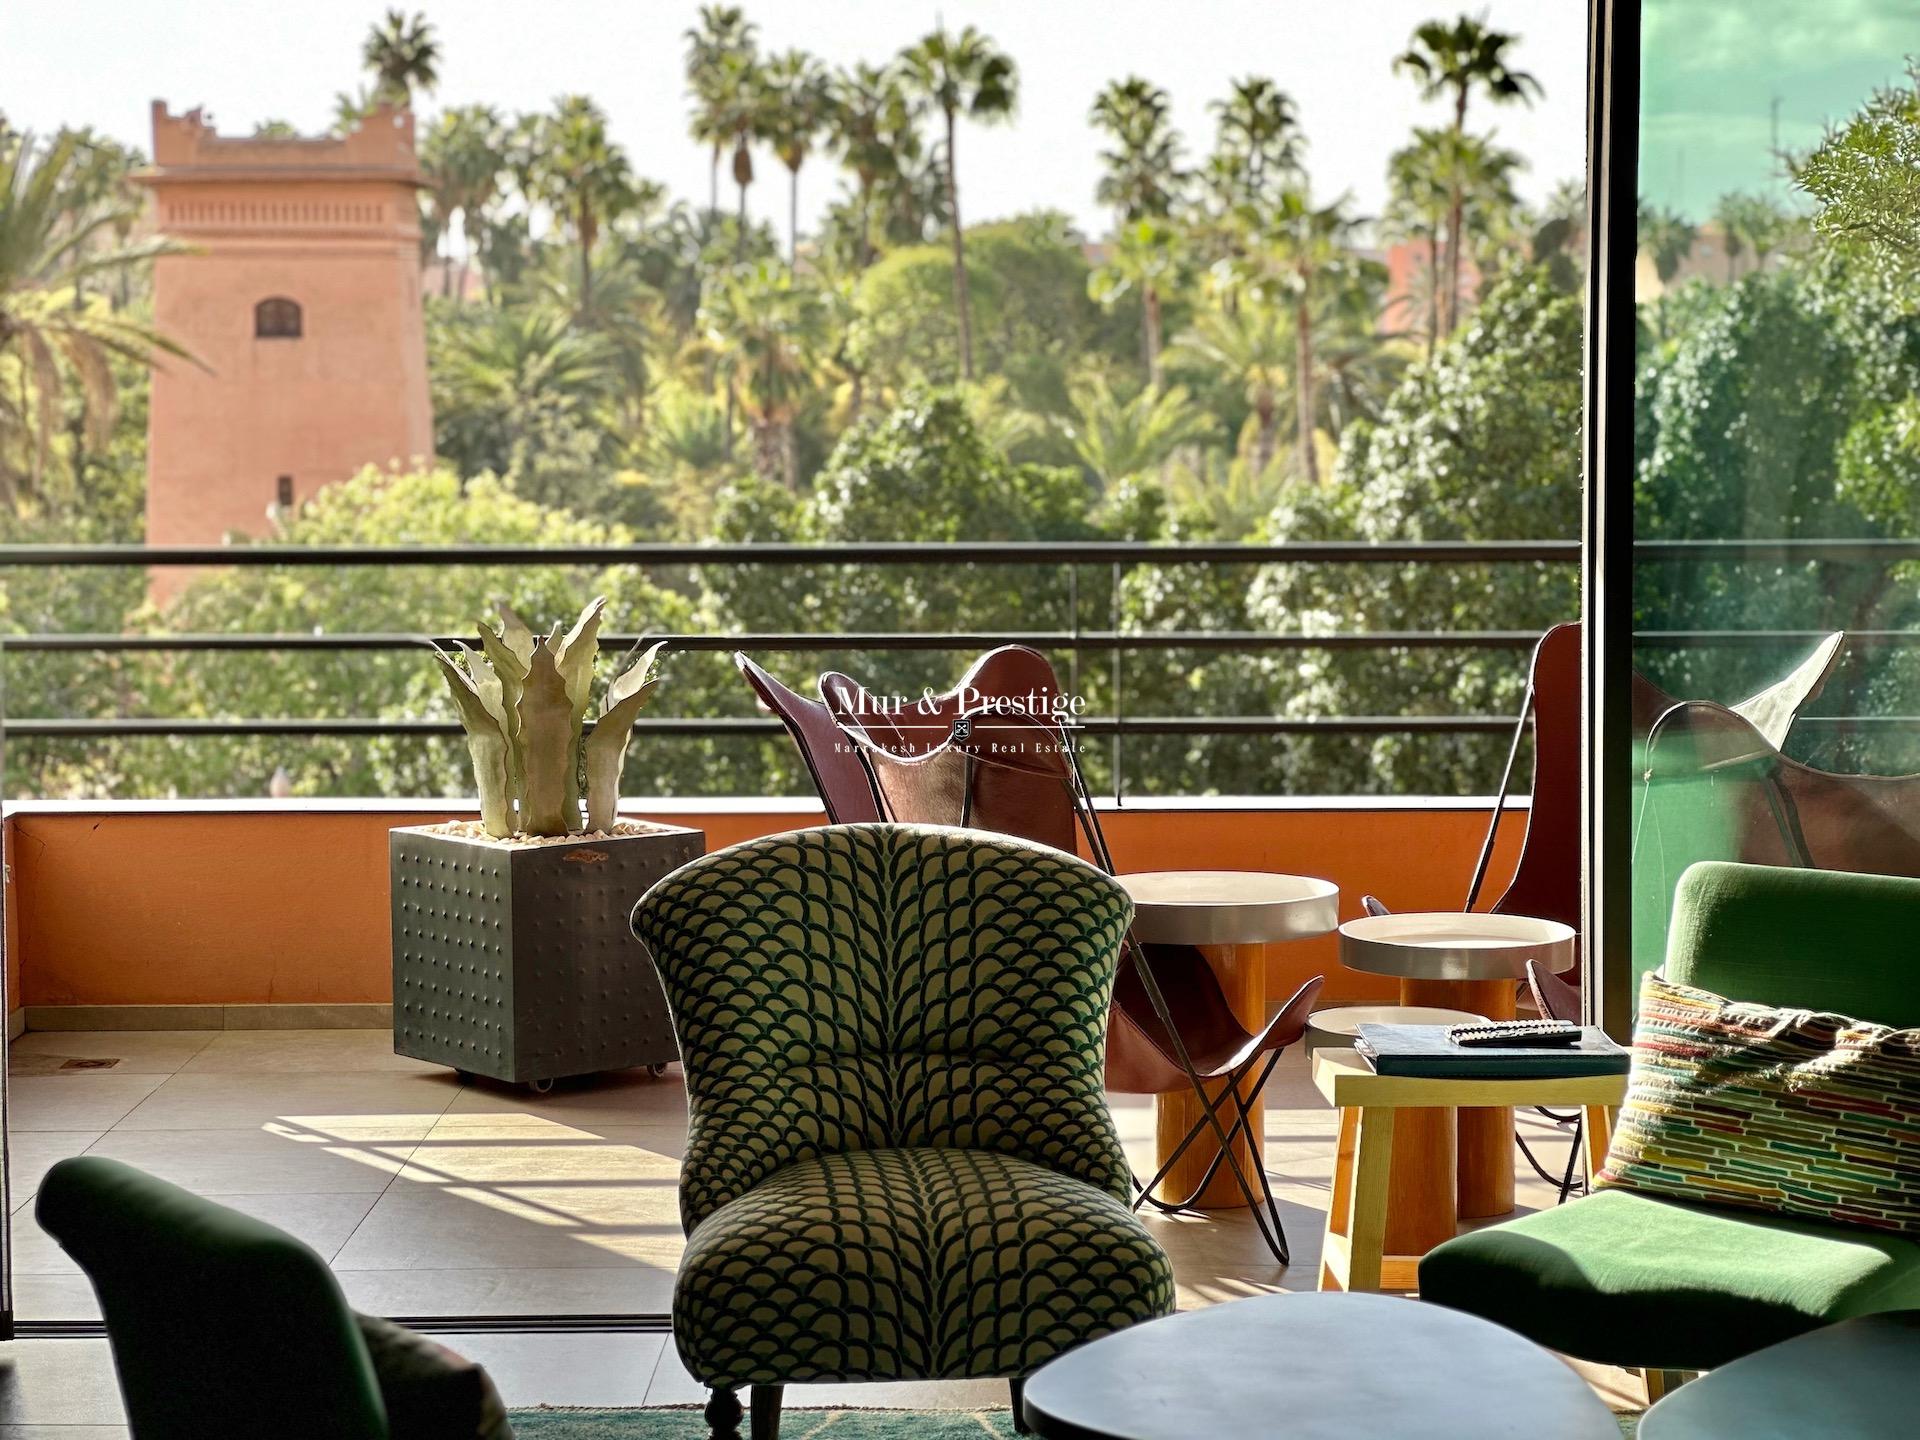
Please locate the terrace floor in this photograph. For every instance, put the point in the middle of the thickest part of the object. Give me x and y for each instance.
(430, 1197)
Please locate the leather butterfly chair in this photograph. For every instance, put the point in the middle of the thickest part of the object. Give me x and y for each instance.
(1011, 676)
(1170, 1028)
(838, 775)
(1717, 789)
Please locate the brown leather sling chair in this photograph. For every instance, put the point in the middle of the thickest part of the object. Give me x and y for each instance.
(1170, 1028)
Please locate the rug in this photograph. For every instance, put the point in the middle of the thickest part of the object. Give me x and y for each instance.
(795, 1424)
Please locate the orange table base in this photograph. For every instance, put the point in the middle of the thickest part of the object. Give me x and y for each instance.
(1484, 1151)
(1242, 972)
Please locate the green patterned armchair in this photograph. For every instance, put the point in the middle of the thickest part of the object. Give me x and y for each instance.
(900, 1164)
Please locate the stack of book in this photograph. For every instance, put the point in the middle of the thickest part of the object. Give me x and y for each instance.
(1428, 1052)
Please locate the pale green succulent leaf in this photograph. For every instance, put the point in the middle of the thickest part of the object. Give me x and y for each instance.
(576, 653)
(606, 747)
(638, 674)
(486, 744)
(516, 634)
(549, 735)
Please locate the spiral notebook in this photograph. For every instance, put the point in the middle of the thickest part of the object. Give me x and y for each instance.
(1425, 1052)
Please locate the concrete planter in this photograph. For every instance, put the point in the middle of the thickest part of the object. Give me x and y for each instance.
(516, 962)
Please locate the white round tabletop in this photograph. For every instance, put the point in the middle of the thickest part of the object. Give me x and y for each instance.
(1229, 907)
(1451, 945)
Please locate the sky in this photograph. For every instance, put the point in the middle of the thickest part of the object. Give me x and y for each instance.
(1713, 70)
(101, 62)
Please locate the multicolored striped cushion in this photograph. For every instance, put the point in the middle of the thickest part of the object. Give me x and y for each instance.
(1789, 1111)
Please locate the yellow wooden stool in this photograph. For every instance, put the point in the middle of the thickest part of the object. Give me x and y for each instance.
(1351, 1257)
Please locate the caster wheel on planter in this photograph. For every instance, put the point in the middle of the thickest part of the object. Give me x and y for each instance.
(465, 1077)
(656, 1071)
(540, 1087)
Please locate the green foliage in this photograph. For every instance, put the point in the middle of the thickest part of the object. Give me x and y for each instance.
(1782, 406)
(1032, 318)
(1866, 176)
(373, 508)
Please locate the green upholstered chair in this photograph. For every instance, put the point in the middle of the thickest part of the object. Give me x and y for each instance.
(223, 1328)
(1657, 1284)
(900, 1164)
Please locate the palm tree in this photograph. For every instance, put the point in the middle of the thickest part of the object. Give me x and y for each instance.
(499, 373)
(1258, 143)
(744, 114)
(1119, 437)
(1250, 344)
(1751, 222)
(768, 332)
(962, 74)
(871, 122)
(1143, 177)
(1417, 206)
(51, 215)
(1667, 237)
(1301, 251)
(462, 156)
(1147, 258)
(1454, 60)
(724, 31)
(583, 175)
(402, 55)
(1726, 215)
(796, 97)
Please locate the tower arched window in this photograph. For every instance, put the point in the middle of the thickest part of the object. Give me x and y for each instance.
(276, 318)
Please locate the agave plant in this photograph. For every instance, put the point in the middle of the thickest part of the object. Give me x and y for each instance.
(524, 702)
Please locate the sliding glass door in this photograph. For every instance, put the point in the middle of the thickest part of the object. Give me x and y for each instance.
(1774, 582)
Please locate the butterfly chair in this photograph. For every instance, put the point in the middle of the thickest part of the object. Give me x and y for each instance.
(837, 773)
(1716, 788)
(1171, 1028)
(900, 1163)
(1546, 881)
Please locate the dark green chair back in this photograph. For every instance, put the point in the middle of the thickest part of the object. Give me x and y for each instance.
(871, 987)
(1812, 939)
(223, 1328)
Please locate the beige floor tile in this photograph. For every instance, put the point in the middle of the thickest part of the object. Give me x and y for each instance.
(317, 1102)
(626, 1290)
(631, 1097)
(276, 1158)
(31, 1153)
(321, 1221)
(80, 1100)
(338, 1052)
(59, 1382)
(64, 1432)
(136, 1052)
(582, 1369)
(547, 1153)
(465, 1226)
(55, 1297)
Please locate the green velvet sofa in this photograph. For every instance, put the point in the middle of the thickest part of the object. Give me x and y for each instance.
(1625, 1279)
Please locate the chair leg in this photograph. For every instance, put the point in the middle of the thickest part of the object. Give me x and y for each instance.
(1239, 1124)
(1276, 1238)
(723, 1413)
(766, 1411)
(1018, 1390)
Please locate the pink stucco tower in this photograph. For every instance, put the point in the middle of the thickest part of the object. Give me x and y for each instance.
(301, 298)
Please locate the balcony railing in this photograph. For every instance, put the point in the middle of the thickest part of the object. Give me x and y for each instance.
(1088, 566)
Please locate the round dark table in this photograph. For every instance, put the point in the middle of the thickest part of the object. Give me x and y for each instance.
(1314, 1367)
